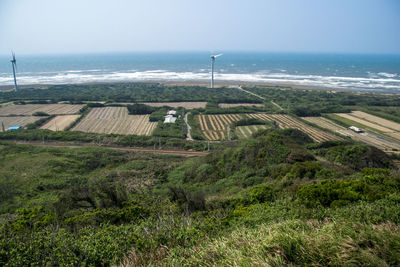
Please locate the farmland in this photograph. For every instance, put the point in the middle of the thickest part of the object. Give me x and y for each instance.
(244, 132)
(228, 105)
(286, 121)
(215, 127)
(370, 138)
(16, 121)
(115, 120)
(375, 123)
(59, 123)
(29, 109)
(330, 125)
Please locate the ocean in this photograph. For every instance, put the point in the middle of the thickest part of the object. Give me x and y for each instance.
(336, 71)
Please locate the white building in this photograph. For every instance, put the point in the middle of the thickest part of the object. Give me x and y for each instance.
(172, 112)
(169, 119)
(355, 129)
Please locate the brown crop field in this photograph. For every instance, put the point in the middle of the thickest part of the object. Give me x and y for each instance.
(378, 120)
(368, 138)
(330, 125)
(374, 123)
(29, 109)
(227, 105)
(215, 127)
(187, 105)
(59, 123)
(115, 120)
(16, 121)
(286, 121)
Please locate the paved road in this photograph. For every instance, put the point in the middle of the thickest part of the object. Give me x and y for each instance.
(134, 149)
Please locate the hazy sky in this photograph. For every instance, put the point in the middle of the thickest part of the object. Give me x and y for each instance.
(79, 26)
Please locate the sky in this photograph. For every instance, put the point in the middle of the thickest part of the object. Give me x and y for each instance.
(92, 26)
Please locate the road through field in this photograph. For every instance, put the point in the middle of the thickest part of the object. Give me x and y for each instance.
(189, 135)
(184, 153)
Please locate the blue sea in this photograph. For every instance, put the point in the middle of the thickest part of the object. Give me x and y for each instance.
(336, 71)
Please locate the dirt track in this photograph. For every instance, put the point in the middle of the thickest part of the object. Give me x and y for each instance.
(184, 153)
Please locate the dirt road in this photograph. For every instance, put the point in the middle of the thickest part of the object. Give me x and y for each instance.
(189, 136)
(184, 153)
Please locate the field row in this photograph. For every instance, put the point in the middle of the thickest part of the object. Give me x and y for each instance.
(389, 128)
(368, 138)
(226, 105)
(187, 105)
(115, 120)
(108, 113)
(60, 123)
(215, 127)
(29, 109)
(244, 132)
(217, 122)
(16, 121)
(286, 121)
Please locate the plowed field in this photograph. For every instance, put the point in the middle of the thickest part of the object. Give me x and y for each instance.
(115, 120)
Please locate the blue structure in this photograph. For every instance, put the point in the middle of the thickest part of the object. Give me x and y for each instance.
(14, 128)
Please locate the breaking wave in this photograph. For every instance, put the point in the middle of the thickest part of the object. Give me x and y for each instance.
(379, 81)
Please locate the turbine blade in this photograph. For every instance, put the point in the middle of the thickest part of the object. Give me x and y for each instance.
(218, 55)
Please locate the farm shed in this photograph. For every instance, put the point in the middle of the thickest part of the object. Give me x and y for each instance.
(172, 112)
(169, 119)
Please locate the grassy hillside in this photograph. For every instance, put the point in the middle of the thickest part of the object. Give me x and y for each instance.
(277, 199)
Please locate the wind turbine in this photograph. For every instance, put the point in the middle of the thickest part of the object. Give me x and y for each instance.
(212, 68)
(14, 65)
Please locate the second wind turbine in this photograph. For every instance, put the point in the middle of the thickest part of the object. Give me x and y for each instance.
(212, 68)
(14, 66)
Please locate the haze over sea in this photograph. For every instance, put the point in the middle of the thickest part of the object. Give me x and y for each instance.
(339, 71)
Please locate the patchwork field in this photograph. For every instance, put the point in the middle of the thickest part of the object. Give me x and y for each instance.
(187, 105)
(17, 121)
(384, 126)
(215, 127)
(115, 120)
(244, 132)
(330, 125)
(368, 138)
(226, 105)
(286, 121)
(29, 109)
(59, 123)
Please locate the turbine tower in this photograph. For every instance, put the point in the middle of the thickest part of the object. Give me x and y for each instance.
(14, 65)
(212, 68)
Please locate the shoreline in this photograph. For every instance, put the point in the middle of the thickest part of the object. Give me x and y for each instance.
(284, 86)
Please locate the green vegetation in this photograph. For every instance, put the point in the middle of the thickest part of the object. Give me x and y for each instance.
(101, 139)
(40, 113)
(213, 108)
(139, 109)
(38, 123)
(128, 92)
(175, 130)
(316, 102)
(276, 199)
